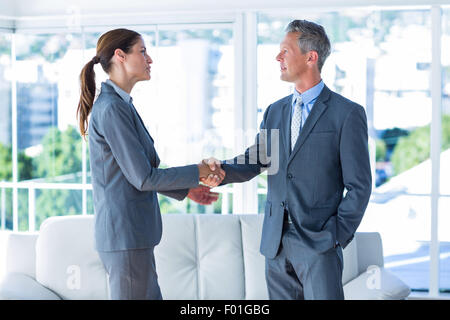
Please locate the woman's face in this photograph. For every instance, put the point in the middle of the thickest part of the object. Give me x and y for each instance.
(137, 62)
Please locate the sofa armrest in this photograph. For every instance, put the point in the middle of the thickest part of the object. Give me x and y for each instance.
(18, 286)
(376, 284)
(370, 250)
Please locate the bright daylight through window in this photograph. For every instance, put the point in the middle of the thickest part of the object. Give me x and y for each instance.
(381, 59)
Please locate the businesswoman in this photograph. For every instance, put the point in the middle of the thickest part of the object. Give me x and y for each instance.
(124, 168)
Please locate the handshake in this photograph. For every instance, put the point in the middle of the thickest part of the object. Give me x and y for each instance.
(210, 172)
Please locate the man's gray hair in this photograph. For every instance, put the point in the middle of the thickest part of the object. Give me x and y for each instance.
(312, 38)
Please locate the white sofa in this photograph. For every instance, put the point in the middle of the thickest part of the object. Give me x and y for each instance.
(200, 257)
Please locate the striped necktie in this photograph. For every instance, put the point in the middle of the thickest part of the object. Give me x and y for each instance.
(296, 122)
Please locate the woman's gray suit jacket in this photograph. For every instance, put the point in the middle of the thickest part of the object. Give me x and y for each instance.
(125, 176)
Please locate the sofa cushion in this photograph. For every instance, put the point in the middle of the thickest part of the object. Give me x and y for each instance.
(200, 257)
(375, 284)
(66, 261)
(220, 261)
(350, 255)
(176, 258)
(254, 261)
(19, 286)
(370, 250)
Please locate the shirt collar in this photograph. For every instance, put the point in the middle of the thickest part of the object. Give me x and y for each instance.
(309, 95)
(122, 93)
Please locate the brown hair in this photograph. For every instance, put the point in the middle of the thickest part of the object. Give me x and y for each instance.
(123, 39)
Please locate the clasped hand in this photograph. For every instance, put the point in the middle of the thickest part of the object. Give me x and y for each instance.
(210, 172)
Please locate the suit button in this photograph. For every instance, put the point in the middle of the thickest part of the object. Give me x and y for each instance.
(282, 204)
(290, 176)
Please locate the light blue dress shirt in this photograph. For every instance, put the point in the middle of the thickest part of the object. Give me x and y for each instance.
(309, 97)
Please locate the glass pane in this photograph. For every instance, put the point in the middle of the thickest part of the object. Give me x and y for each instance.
(444, 237)
(47, 70)
(445, 141)
(444, 202)
(6, 223)
(5, 108)
(402, 102)
(401, 120)
(270, 87)
(53, 202)
(188, 104)
(404, 223)
(262, 191)
(6, 214)
(261, 202)
(23, 209)
(89, 202)
(225, 203)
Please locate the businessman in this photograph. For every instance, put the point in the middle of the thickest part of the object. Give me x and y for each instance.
(322, 150)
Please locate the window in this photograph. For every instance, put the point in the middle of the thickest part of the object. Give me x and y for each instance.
(380, 59)
(47, 67)
(401, 124)
(444, 201)
(48, 143)
(188, 107)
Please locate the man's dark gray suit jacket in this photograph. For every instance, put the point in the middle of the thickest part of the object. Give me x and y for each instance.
(126, 178)
(331, 153)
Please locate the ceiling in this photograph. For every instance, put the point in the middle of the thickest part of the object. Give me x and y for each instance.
(20, 9)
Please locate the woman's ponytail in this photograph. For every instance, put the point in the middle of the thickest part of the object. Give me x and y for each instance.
(87, 82)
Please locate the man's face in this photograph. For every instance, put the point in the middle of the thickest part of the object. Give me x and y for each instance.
(293, 63)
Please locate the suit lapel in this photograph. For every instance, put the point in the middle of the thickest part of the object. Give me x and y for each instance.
(142, 123)
(316, 111)
(153, 155)
(285, 125)
(154, 159)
